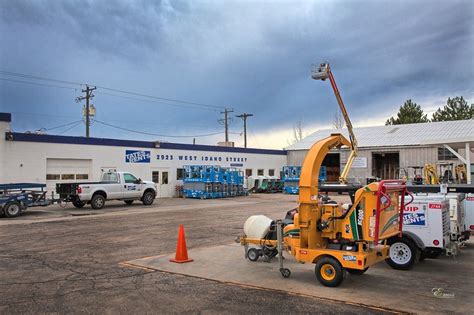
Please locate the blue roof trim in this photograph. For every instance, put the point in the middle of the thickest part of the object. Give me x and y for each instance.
(6, 117)
(31, 137)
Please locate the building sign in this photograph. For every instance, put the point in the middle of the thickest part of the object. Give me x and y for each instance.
(203, 158)
(137, 156)
(359, 162)
(415, 214)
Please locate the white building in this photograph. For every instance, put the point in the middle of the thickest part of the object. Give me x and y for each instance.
(389, 151)
(39, 158)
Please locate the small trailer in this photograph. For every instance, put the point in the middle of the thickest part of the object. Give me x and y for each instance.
(16, 198)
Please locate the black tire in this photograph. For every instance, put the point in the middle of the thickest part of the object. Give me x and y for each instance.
(148, 198)
(12, 209)
(329, 272)
(403, 253)
(253, 254)
(357, 272)
(78, 204)
(97, 202)
(128, 202)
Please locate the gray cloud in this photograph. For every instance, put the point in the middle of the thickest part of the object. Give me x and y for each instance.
(253, 56)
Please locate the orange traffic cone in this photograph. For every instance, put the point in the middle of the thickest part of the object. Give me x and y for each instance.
(181, 250)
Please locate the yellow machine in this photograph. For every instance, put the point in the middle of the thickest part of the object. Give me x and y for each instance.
(430, 174)
(337, 238)
(461, 174)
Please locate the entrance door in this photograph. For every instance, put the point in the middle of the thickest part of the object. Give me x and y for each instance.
(160, 176)
(386, 165)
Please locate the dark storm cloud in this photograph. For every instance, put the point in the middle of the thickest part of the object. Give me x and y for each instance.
(253, 56)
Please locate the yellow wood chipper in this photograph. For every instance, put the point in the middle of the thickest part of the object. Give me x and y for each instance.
(337, 238)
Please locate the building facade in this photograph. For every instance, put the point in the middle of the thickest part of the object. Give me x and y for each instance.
(399, 150)
(40, 158)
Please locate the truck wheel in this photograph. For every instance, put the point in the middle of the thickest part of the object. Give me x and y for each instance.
(78, 204)
(357, 272)
(12, 209)
(329, 272)
(128, 202)
(148, 198)
(403, 254)
(97, 202)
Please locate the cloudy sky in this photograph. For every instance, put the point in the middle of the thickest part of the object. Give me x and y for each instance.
(252, 56)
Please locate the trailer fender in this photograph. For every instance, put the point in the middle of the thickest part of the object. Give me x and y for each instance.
(412, 236)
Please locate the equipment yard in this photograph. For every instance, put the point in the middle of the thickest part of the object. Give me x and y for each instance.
(116, 260)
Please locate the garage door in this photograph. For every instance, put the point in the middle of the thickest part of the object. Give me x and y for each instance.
(67, 170)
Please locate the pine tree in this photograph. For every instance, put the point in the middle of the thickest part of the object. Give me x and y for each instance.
(455, 109)
(409, 113)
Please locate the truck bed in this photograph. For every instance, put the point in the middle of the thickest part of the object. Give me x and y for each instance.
(68, 189)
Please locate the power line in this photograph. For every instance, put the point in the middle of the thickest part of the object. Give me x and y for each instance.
(16, 74)
(72, 127)
(154, 134)
(152, 101)
(40, 84)
(74, 122)
(22, 75)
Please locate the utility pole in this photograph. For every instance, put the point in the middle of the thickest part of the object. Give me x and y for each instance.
(87, 97)
(226, 122)
(244, 117)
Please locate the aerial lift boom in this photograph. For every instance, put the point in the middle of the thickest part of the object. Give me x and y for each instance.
(323, 72)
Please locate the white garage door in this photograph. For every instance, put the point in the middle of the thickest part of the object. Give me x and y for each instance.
(67, 170)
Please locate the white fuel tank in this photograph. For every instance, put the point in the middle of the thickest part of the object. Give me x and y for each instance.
(257, 226)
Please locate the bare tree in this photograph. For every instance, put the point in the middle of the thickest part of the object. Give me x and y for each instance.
(297, 132)
(338, 122)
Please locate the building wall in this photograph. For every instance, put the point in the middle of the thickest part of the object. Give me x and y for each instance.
(27, 161)
(409, 156)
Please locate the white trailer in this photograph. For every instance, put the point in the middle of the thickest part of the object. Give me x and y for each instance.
(426, 233)
(469, 213)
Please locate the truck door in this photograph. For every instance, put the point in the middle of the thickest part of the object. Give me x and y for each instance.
(131, 188)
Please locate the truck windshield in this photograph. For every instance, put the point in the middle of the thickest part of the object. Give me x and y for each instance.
(110, 177)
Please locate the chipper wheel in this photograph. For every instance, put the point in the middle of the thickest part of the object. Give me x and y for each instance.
(329, 272)
(253, 254)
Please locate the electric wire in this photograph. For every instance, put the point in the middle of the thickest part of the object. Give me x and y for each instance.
(72, 127)
(28, 76)
(40, 84)
(68, 124)
(152, 101)
(157, 135)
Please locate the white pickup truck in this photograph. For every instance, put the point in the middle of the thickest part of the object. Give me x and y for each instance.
(113, 186)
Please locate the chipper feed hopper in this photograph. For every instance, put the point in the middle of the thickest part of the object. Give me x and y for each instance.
(336, 238)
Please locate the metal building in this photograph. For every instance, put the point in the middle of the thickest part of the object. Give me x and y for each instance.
(390, 151)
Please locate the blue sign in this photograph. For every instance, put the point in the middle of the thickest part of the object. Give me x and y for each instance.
(137, 156)
(414, 218)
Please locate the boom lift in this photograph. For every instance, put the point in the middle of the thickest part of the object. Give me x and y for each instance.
(324, 72)
(336, 238)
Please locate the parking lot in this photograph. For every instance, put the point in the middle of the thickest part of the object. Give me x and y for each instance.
(62, 260)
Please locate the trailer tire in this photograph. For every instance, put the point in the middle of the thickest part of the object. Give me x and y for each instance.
(403, 253)
(97, 201)
(12, 209)
(329, 272)
(253, 254)
(78, 204)
(148, 197)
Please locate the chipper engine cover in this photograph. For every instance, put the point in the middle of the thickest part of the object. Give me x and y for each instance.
(257, 226)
